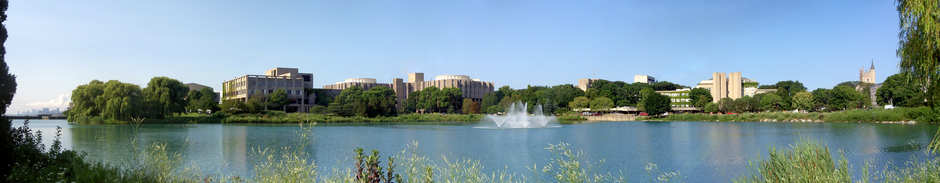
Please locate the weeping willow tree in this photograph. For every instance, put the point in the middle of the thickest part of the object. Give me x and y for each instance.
(919, 46)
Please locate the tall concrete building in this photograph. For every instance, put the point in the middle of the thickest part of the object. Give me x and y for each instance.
(584, 84)
(731, 85)
(287, 79)
(644, 79)
(473, 89)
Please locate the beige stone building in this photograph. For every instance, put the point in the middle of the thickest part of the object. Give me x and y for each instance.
(473, 89)
(731, 85)
(288, 79)
(584, 84)
(867, 76)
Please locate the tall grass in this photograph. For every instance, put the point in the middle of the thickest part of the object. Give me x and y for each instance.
(922, 114)
(805, 161)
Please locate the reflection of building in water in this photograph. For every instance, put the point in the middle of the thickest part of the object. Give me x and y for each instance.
(235, 147)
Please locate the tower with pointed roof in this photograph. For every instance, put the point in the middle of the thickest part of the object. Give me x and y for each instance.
(867, 76)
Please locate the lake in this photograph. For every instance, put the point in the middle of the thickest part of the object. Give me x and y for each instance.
(700, 151)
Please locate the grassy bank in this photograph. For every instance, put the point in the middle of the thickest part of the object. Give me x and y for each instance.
(922, 114)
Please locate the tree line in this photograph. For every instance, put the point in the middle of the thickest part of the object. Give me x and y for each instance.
(162, 97)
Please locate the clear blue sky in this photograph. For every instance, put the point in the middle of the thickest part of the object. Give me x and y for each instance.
(55, 46)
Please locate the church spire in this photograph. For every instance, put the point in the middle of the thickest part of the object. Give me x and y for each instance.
(872, 64)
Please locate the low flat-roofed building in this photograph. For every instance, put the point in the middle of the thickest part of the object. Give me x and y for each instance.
(473, 89)
(197, 87)
(287, 79)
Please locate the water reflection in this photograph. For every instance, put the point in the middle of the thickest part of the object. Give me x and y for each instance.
(702, 151)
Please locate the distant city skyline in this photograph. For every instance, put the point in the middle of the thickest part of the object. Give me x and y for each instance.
(55, 46)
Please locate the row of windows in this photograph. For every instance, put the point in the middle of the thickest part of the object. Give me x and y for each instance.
(677, 94)
(270, 83)
(252, 91)
(683, 105)
(681, 100)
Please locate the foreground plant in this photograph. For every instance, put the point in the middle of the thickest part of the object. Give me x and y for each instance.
(805, 161)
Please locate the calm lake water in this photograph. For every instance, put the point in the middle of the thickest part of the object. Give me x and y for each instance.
(700, 151)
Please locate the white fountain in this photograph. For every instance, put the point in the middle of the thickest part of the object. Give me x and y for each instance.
(517, 117)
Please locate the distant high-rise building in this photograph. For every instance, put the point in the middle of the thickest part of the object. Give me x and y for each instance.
(644, 79)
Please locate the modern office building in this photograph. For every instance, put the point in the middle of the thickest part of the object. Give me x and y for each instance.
(287, 79)
(473, 89)
(644, 79)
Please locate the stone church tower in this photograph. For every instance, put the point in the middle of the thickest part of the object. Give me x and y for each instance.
(869, 76)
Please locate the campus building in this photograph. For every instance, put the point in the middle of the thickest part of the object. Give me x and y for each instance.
(731, 85)
(644, 79)
(584, 84)
(869, 77)
(287, 79)
(473, 89)
(679, 97)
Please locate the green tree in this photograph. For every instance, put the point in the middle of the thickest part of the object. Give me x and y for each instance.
(580, 103)
(494, 109)
(348, 102)
(844, 97)
(169, 94)
(771, 102)
(234, 107)
(699, 93)
(208, 100)
(466, 105)
(7, 79)
(666, 85)
(192, 100)
(601, 104)
(411, 103)
(744, 104)
(900, 91)
(803, 101)
(256, 102)
(489, 99)
(656, 104)
(726, 105)
(563, 94)
(428, 100)
(821, 96)
(123, 101)
(378, 101)
(86, 100)
(919, 39)
(711, 108)
(504, 91)
(279, 99)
